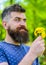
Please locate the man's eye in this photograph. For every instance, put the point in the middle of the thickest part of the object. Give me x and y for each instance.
(24, 20)
(17, 19)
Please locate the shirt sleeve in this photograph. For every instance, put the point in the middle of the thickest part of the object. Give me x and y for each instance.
(36, 62)
(2, 56)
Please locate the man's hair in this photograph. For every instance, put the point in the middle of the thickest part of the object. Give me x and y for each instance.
(15, 8)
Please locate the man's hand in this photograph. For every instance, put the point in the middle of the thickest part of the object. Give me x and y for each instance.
(38, 47)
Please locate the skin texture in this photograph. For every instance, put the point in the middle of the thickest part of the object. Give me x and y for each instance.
(37, 47)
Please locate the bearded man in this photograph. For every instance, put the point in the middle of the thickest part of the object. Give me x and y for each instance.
(13, 50)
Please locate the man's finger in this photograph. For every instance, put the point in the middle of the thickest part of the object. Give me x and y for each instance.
(38, 39)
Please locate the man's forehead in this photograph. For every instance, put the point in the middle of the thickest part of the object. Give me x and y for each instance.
(18, 14)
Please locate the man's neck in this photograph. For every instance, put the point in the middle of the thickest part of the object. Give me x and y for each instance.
(10, 40)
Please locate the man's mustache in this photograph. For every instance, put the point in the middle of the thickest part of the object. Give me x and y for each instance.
(21, 27)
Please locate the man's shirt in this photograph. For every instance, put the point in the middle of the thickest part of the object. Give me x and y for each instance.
(13, 54)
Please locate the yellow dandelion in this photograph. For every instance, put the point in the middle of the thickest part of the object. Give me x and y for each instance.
(43, 35)
(40, 31)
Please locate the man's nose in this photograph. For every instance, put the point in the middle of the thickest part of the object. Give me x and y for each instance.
(22, 23)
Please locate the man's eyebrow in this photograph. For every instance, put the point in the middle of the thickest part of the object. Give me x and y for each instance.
(20, 18)
(25, 19)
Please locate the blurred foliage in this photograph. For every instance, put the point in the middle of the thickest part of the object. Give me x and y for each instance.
(36, 17)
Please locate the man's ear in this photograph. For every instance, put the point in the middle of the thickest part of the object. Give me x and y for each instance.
(4, 23)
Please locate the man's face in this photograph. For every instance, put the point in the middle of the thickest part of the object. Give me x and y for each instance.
(17, 27)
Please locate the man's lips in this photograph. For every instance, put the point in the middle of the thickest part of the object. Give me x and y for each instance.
(22, 30)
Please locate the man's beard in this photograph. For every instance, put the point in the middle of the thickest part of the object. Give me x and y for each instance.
(20, 35)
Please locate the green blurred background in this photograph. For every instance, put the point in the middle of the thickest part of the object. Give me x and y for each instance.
(36, 17)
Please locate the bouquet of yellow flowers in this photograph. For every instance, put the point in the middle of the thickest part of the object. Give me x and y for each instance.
(40, 31)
